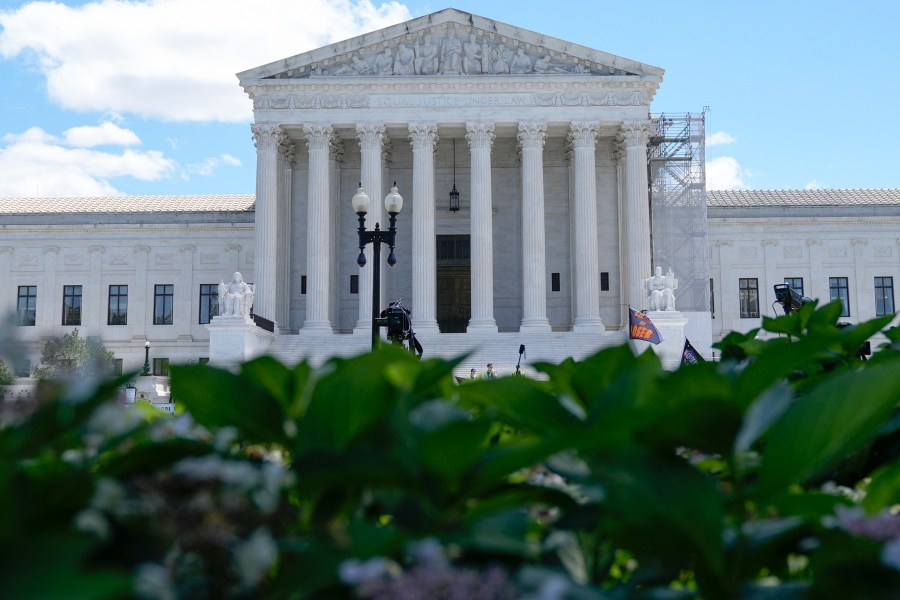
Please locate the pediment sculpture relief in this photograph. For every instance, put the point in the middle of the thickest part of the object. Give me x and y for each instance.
(452, 51)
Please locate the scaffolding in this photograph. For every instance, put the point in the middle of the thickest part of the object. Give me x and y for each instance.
(677, 180)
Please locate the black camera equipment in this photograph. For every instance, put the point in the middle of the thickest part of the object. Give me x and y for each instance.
(789, 298)
(521, 352)
(399, 328)
(864, 350)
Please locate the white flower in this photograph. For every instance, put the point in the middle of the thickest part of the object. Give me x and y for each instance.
(890, 553)
(153, 582)
(92, 521)
(108, 495)
(255, 556)
(356, 572)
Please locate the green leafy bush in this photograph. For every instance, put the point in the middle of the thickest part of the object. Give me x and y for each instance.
(73, 356)
(771, 474)
(7, 377)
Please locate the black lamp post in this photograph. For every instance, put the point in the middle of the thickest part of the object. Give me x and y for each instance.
(454, 195)
(146, 359)
(393, 202)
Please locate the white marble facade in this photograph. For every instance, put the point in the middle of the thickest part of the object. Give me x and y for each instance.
(550, 144)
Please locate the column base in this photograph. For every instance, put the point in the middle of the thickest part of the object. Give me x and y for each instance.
(588, 325)
(363, 327)
(317, 325)
(534, 325)
(482, 326)
(425, 327)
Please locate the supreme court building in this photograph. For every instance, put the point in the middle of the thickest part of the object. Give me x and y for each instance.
(570, 193)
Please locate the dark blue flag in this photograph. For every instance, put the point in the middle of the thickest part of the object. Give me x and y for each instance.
(642, 328)
(690, 355)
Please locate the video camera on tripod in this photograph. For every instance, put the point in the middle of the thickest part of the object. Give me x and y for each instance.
(399, 327)
(789, 298)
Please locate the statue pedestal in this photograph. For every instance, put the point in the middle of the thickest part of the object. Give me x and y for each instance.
(233, 340)
(671, 324)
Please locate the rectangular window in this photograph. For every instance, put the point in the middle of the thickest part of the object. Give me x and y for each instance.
(117, 367)
(840, 290)
(554, 282)
(749, 292)
(118, 305)
(884, 296)
(71, 307)
(795, 283)
(209, 302)
(161, 367)
(303, 284)
(354, 284)
(203, 360)
(604, 281)
(163, 304)
(27, 305)
(712, 299)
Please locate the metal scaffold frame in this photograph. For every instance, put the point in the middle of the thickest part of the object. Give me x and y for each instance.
(677, 178)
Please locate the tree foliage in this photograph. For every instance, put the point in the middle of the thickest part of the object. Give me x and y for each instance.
(771, 474)
(7, 377)
(73, 356)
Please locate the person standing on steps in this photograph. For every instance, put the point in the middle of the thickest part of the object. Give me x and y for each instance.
(490, 373)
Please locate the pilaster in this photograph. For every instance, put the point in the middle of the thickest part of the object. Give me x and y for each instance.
(8, 299)
(51, 317)
(93, 296)
(184, 299)
(423, 138)
(531, 138)
(286, 154)
(140, 304)
(480, 136)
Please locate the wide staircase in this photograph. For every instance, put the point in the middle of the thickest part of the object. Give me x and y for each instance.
(501, 349)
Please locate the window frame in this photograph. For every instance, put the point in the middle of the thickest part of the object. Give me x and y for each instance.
(789, 281)
(113, 318)
(30, 305)
(211, 294)
(834, 292)
(160, 366)
(887, 286)
(71, 305)
(749, 297)
(163, 297)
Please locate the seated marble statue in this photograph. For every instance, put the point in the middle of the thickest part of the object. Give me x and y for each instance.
(661, 290)
(235, 297)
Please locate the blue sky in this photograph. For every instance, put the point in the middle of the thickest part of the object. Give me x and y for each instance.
(114, 97)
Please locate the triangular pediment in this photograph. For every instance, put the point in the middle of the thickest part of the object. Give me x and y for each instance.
(451, 43)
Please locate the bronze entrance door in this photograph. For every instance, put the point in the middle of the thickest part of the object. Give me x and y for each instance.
(454, 283)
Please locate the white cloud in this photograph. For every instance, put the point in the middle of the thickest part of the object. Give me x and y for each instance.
(724, 173)
(207, 167)
(105, 134)
(720, 138)
(814, 185)
(174, 59)
(38, 163)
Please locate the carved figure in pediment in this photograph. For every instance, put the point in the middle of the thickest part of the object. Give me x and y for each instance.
(451, 54)
(472, 56)
(499, 60)
(520, 63)
(426, 56)
(544, 65)
(404, 62)
(384, 63)
(360, 67)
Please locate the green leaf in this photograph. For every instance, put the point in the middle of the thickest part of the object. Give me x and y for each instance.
(761, 414)
(147, 456)
(837, 417)
(452, 449)
(519, 402)
(883, 490)
(218, 398)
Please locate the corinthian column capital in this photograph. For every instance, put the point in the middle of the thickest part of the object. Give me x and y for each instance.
(634, 133)
(318, 135)
(286, 148)
(423, 135)
(583, 134)
(266, 136)
(370, 135)
(532, 134)
(480, 134)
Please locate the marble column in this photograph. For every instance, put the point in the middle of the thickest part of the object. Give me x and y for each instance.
(423, 137)
(266, 138)
(480, 136)
(318, 140)
(286, 152)
(371, 143)
(7, 300)
(583, 139)
(94, 295)
(534, 250)
(636, 213)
